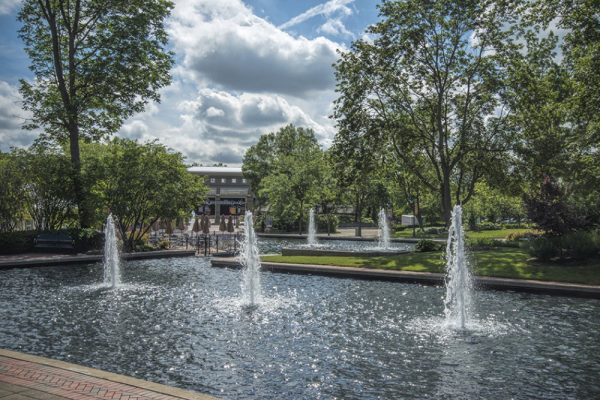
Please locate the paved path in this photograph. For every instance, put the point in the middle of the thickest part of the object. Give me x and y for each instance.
(26, 377)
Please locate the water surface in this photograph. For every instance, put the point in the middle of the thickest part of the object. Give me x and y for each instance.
(181, 322)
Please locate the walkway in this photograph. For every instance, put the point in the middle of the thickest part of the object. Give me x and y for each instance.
(26, 377)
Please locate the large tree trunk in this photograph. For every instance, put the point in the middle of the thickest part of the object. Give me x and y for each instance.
(83, 210)
(446, 199)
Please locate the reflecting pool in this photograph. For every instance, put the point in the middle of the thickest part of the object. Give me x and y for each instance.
(274, 245)
(180, 322)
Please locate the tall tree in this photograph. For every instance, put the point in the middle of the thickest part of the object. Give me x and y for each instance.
(429, 82)
(286, 169)
(96, 63)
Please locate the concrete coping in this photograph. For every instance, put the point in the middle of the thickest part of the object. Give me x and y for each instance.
(86, 259)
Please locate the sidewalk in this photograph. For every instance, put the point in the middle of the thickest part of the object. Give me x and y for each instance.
(26, 377)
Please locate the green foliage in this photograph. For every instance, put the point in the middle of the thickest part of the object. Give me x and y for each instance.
(109, 62)
(422, 90)
(95, 64)
(490, 243)
(48, 197)
(487, 226)
(575, 245)
(12, 192)
(16, 242)
(288, 169)
(140, 183)
(427, 245)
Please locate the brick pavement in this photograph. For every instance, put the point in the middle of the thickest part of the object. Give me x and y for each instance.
(25, 377)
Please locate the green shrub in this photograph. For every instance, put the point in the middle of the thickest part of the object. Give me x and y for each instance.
(522, 236)
(322, 223)
(489, 243)
(576, 245)
(424, 245)
(516, 225)
(164, 245)
(488, 226)
(581, 245)
(544, 248)
(86, 239)
(16, 242)
(434, 231)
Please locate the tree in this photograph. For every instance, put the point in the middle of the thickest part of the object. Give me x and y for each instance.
(550, 211)
(142, 183)
(12, 192)
(48, 195)
(286, 168)
(429, 85)
(96, 63)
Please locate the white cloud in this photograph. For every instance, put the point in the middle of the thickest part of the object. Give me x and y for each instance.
(8, 6)
(335, 27)
(224, 44)
(327, 9)
(12, 116)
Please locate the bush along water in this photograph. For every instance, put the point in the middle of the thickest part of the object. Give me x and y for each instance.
(424, 245)
(575, 245)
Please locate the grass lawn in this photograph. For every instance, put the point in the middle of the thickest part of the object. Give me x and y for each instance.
(505, 263)
(495, 234)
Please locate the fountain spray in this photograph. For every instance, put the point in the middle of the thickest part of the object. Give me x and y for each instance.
(458, 278)
(250, 261)
(112, 270)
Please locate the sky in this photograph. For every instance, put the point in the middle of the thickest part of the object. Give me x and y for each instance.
(243, 69)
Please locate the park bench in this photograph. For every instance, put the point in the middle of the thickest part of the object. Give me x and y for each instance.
(54, 241)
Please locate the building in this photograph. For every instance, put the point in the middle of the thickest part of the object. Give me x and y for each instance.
(229, 192)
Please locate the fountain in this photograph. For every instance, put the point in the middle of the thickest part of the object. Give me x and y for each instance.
(311, 238)
(384, 230)
(190, 227)
(458, 278)
(112, 273)
(250, 261)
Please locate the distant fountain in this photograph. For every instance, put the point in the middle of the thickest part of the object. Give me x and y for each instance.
(190, 227)
(250, 261)
(311, 238)
(384, 231)
(112, 271)
(458, 278)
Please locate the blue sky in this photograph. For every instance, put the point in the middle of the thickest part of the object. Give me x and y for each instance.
(243, 68)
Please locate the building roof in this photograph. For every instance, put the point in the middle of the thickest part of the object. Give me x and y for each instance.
(216, 171)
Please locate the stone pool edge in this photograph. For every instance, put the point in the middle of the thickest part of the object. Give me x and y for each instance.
(156, 390)
(86, 259)
(425, 278)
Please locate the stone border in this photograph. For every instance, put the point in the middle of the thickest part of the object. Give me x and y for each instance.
(108, 376)
(288, 251)
(86, 259)
(425, 278)
(348, 238)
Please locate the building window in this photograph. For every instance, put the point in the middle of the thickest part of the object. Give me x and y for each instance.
(243, 180)
(212, 180)
(233, 180)
(223, 180)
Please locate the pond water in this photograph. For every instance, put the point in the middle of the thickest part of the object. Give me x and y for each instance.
(180, 322)
(274, 245)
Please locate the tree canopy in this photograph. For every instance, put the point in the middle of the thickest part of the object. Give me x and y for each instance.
(95, 62)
